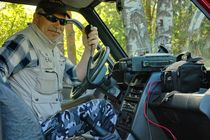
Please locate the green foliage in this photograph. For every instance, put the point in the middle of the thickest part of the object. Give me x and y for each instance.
(181, 20)
(183, 40)
(183, 12)
(12, 18)
(112, 19)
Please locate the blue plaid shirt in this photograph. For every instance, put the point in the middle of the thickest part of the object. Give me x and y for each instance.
(16, 55)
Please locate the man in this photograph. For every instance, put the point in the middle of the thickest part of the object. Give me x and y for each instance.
(35, 69)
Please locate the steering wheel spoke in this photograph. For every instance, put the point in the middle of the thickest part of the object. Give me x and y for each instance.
(96, 71)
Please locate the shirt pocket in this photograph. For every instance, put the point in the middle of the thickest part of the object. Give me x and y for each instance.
(47, 83)
(45, 105)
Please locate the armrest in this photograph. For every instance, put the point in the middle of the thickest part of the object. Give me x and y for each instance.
(192, 102)
(184, 101)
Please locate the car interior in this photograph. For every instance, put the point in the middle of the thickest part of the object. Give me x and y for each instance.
(132, 85)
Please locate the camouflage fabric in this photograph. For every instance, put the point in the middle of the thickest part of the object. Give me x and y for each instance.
(68, 123)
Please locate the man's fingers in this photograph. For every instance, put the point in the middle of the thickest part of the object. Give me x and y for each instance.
(93, 32)
(93, 43)
(93, 37)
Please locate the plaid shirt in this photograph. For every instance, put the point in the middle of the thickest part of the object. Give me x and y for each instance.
(16, 55)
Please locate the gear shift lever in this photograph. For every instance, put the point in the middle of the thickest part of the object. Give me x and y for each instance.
(103, 134)
(99, 131)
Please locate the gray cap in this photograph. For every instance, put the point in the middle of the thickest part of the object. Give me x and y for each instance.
(53, 7)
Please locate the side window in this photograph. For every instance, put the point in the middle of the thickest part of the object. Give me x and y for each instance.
(111, 17)
(73, 46)
(190, 30)
(76, 39)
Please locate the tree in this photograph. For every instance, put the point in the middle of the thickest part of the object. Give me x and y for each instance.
(194, 27)
(112, 19)
(150, 13)
(135, 28)
(12, 22)
(164, 25)
(196, 21)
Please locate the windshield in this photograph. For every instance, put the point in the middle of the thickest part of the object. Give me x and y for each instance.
(190, 29)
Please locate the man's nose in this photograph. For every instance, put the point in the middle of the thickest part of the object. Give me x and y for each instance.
(57, 23)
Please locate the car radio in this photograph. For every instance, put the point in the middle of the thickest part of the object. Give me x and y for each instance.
(146, 63)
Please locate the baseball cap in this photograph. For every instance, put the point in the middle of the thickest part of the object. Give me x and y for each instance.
(53, 7)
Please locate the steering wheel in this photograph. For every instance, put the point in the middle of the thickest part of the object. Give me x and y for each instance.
(96, 71)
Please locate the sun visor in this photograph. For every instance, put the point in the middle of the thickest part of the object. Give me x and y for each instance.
(204, 6)
(72, 4)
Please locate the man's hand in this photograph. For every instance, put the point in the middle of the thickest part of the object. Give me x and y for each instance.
(90, 40)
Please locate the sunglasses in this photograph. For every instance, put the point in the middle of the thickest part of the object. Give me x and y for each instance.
(53, 18)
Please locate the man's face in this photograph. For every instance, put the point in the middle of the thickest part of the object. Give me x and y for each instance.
(51, 29)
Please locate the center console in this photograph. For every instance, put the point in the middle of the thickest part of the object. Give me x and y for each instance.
(134, 74)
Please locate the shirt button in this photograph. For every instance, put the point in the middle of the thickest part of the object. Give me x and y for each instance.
(37, 99)
(47, 59)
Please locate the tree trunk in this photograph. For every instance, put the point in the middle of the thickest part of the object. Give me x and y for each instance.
(196, 21)
(135, 28)
(193, 27)
(206, 47)
(148, 10)
(164, 24)
(70, 37)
